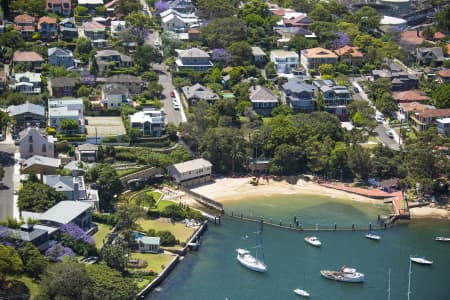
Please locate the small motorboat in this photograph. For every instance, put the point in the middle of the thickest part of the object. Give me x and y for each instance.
(373, 236)
(301, 292)
(313, 240)
(442, 239)
(344, 275)
(421, 260)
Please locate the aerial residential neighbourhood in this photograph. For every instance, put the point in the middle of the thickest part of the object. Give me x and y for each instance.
(145, 143)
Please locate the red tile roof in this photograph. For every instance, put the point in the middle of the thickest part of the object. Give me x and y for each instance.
(26, 56)
(413, 106)
(24, 19)
(318, 53)
(46, 19)
(302, 20)
(410, 96)
(438, 35)
(349, 50)
(411, 37)
(434, 113)
(444, 73)
(93, 26)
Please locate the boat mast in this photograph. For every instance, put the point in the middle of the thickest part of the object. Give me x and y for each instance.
(409, 280)
(389, 285)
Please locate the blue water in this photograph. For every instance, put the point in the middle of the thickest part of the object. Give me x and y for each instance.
(214, 273)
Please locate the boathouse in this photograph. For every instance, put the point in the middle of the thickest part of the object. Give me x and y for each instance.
(191, 172)
(149, 244)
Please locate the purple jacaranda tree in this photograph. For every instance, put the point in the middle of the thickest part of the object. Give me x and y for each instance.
(341, 41)
(58, 251)
(220, 55)
(161, 6)
(76, 233)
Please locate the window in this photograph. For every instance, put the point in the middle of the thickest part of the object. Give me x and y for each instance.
(44, 148)
(30, 138)
(31, 148)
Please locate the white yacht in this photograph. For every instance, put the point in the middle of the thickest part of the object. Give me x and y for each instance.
(373, 236)
(421, 260)
(442, 239)
(313, 240)
(345, 275)
(249, 261)
(301, 292)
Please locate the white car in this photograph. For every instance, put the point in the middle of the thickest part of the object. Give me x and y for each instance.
(156, 43)
(390, 133)
(379, 119)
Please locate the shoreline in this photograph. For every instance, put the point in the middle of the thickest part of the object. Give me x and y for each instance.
(228, 189)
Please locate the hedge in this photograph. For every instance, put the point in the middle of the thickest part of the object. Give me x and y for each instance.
(72, 138)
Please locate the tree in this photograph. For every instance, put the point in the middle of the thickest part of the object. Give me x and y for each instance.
(299, 43)
(109, 184)
(115, 255)
(154, 89)
(69, 126)
(287, 160)
(66, 280)
(83, 48)
(38, 197)
(359, 161)
(126, 216)
(320, 13)
(34, 262)
(241, 53)
(10, 263)
(367, 19)
(144, 56)
(326, 69)
(140, 25)
(126, 7)
(167, 238)
(441, 96)
(31, 7)
(173, 211)
(161, 6)
(271, 71)
(221, 33)
(443, 19)
(106, 283)
(362, 114)
(283, 110)
(12, 39)
(217, 9)
(170, 42)
(84, 91)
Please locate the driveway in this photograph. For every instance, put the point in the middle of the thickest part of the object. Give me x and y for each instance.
(7, 149)
(390, 142)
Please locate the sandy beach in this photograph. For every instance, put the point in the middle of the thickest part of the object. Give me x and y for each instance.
(235, 189)
(427, 212)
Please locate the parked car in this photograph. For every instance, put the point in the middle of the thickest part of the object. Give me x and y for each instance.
(390, 133)
(379, 119)
(172, 94)
(355, 89)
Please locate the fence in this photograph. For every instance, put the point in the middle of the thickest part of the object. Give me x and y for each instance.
(204, 200)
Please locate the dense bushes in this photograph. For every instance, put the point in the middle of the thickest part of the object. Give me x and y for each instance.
(104, 218)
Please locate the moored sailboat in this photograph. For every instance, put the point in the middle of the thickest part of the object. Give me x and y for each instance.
(249, 261)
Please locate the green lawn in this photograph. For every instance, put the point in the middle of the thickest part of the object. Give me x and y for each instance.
(99, 236)
(179, 230)
(156, 262)
(163, 204)
(156, 196)
(145, 280)
(31, 285)
(130, 170)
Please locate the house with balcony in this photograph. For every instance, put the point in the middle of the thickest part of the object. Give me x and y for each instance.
(352, 56)
(285, 61)
(198, 92)
(178, 22)
(47, 28)
(114, 95)
(35, 141)
(111, 58)
(422, 120)
(71, 109)
(94, 30)
(59, 7)
(134, 84)
(299, 20)
(27, 83)
(86, 152)
(150, 121)
(192, 172)
(68, 30)
(27, 114)
(24, 24)
(400, 80)
(263, 99)
(60, 57)
(299, 95)
(312, 58)
(335, 97)
(193, 59)
(32, 60)
(443, 126)
(285, 34)
(62, 86)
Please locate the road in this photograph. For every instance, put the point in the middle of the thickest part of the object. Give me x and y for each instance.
(7, 149)
(393, 143)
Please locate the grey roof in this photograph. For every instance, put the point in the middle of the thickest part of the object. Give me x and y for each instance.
(41, 160)
(437, 52)
(124, 78)
(87, 147)
(107, 53)
(65, 212)
(64, 81)
(260, 93)
(256, 51)
(199, 91)
(59, 52)
(190, 165)
(297, 85)
(60, 183)
(114, 88)
(27, 107)
(18, 234)
(295, 30)
(193, 53)
(150, 240)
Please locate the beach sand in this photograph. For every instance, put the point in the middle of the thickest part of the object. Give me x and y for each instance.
(426, 212)
(235, 189)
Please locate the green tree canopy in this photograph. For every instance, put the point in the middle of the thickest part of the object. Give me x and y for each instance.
(109, 184)
(221, 33)
(441, 96)
(10, 263)
(144, 56)
(38, 197)
(217, 9)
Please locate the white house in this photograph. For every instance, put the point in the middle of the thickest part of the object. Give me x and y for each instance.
(150, 121)
(60, 109)
(117, 27)
(175, 21)
(114, 95)
(191, 172)
(36, 142)
(285, 61)
(28, 83)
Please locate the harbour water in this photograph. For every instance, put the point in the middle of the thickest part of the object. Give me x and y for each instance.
(214, 273)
